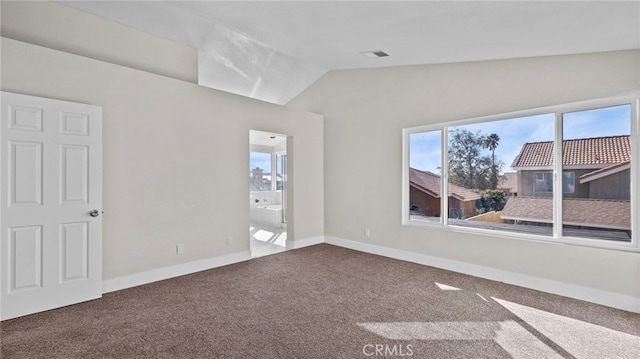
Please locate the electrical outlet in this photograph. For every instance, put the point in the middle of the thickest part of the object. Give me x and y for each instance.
(367, 232)
(229, 240)
(180, 248)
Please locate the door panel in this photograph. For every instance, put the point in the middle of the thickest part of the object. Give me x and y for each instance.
(26, 257)
(75, 255)
(25, 173)
(25, 118)
(74, 185)
(51, 179)
(74, 124)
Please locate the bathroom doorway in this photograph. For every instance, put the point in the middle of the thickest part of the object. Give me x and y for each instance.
(268, 187)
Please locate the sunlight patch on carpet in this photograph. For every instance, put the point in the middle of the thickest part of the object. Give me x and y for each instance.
(446, 287)
(511, 336)
(579, 338)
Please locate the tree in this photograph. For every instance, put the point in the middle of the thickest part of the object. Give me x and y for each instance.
(468, 167)
(491, 142)
(492, 200)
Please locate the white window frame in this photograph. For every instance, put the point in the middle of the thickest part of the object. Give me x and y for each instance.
(633, 99)
(275, 165)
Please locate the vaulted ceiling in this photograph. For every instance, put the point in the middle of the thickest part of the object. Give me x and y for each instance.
(272, 50)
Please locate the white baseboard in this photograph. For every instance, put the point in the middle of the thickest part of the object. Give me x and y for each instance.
(305, 242)
(133, 280)
(610, 299)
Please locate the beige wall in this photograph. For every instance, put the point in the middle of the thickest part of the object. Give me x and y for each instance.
(63, 28)
(175, 154)
(366, 110)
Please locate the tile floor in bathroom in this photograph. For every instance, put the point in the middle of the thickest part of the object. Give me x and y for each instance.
(267, 240)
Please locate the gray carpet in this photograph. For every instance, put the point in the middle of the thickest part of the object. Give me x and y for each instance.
(325, 302)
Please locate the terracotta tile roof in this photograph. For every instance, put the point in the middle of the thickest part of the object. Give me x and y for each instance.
(429, 182)
(576, 211)
(603, 172)
(584, 151)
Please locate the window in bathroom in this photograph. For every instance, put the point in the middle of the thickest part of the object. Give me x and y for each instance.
(259, 171)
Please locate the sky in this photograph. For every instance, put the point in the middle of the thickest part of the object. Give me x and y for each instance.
(263, 160)
(260, 159)
(425, 147)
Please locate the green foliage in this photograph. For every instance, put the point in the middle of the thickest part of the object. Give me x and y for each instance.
(469, 167)
(491, 142)
(479, 209)
(492, 200)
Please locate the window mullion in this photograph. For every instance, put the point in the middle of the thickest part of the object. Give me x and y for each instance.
(444, 178)
(406, 186)
(557, 176)
(274, 169)
(635, 170)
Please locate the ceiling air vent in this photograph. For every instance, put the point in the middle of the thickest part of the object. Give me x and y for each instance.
(375, 54)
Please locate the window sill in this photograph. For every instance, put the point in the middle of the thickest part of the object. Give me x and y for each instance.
(583, 242)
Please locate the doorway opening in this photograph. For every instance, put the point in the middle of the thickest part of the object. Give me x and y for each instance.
(268, 187)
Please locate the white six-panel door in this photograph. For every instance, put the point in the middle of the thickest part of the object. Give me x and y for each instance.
(51, 204)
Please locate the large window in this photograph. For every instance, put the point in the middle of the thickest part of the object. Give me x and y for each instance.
(500, 173)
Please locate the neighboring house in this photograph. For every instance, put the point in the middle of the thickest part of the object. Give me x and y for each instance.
(425, 194)
(508, 183)
(596, 183)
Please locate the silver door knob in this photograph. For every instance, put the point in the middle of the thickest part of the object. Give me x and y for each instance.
(94, 213)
